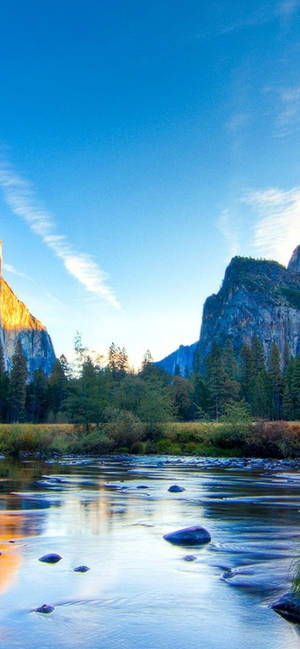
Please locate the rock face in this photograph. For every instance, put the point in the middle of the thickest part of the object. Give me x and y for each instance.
(257, 297)
(182, 358)
(16, 322)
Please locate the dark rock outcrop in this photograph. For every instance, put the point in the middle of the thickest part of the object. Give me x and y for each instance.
(50, 558)
(17, 323)
(288, 606)
(45, 608)
(182, 358)
(81, 569)
(176, 489)
(195, 535)
(257, 296)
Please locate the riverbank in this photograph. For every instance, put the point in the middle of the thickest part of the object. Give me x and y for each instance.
(266, 439)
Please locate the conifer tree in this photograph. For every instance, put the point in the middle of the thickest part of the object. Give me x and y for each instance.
(295, 388)
(287, 400)
(18, 378)
(37, 397)
(4, 387)
(261, 395)
(57, 385)
(215, 378)
(276, 381)
(246, 371)
(258, 355)
(196, 367)
(229, 360)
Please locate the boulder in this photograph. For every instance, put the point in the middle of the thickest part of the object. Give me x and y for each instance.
(288, 606)
(45, 608)
(81, 569)
(176, 489)
(50, 558)
(195, 535)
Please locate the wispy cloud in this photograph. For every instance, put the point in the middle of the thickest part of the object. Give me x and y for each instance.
(277, 230)
(228, 227)
(288, 118)
(11, 269)
(268, 12)
(287, 8)
(20, 197)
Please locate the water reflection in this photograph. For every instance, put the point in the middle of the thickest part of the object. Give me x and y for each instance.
(139, 591)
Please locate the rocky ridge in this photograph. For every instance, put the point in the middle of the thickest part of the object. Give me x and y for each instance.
(16, 322)
(256, 297)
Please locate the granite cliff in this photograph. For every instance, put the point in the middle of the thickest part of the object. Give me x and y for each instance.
(16, 322)
(256, 297)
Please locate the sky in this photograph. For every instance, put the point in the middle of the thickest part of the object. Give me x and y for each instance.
(142, 145)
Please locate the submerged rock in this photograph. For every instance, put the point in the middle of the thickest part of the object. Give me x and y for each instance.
(195, 535)
(190, 557)
(50, 558)
(142, 486)
(288, 606)
(45, 608)
(81, 569)
(175, 488)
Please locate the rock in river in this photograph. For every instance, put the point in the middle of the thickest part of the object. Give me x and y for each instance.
(45, 608)
(176, 489)
(195, 535)
(50, 558)
(81, 569)
(288, 606)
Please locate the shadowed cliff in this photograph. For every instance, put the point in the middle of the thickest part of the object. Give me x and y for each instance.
(256, 297)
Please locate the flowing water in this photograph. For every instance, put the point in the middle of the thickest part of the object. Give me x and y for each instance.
(140, 593)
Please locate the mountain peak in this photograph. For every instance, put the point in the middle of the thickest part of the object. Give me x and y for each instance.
(294, 263)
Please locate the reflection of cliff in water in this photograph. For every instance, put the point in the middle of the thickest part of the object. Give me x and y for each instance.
(20, 517)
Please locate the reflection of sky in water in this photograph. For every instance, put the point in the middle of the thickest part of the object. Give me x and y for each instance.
(139, 591)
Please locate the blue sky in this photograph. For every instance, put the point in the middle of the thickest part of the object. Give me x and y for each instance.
(141, 146)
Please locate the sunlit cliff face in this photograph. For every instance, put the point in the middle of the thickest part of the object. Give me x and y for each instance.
(14, 313)
(11, 529)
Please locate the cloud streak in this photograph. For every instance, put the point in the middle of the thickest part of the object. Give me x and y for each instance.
(21, 199)
(11, 269)
(277, 230)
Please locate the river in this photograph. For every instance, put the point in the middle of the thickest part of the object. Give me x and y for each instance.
(111, 514)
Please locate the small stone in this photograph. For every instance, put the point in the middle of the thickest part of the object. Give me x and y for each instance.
(190, 557)
(142, 486)
(195, 535)
(50, 558)
(81, 569)
(45, 608)
(175, 489)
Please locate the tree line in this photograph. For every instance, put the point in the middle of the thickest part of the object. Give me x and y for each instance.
(90, 392)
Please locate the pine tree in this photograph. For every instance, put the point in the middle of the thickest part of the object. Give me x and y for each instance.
(215, 376)
(229, 360)
(246, 371)
(286, 356)
(37, 397)
(4, 387)
(287, 400)
(18, 378)
(276, 381)
(261, 395)
(196, 367)
(295, 388)
(258, 355)
(57, 386)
